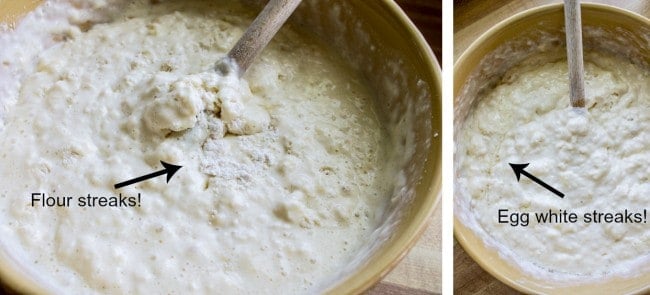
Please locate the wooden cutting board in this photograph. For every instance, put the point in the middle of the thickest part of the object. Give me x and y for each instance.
(420, 271)
(471, 19)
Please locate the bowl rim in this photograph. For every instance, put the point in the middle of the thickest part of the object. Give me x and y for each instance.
(463, 234)
(362, 279)
(501, 25)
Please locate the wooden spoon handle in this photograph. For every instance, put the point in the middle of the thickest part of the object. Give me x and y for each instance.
(573, 27)
(258, 35)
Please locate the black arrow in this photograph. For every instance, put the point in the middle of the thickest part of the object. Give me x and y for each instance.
(169, 170)
(519, 169)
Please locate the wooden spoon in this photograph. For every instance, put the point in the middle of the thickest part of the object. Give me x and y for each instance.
(257, 36)
(573, 27)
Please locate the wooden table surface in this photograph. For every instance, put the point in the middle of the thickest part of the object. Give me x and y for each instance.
(471, 19)
(420, 272)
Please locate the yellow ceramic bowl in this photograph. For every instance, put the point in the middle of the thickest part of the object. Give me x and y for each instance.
(474, 69)
(377, 38)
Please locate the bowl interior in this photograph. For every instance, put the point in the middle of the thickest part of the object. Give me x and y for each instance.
(614, 30)
(378, 40)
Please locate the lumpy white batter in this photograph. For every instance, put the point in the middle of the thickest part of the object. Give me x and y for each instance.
(284, 174)
(598, 158)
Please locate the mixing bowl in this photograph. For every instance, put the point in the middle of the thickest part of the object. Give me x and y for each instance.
(377, 39)
(480, 67)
